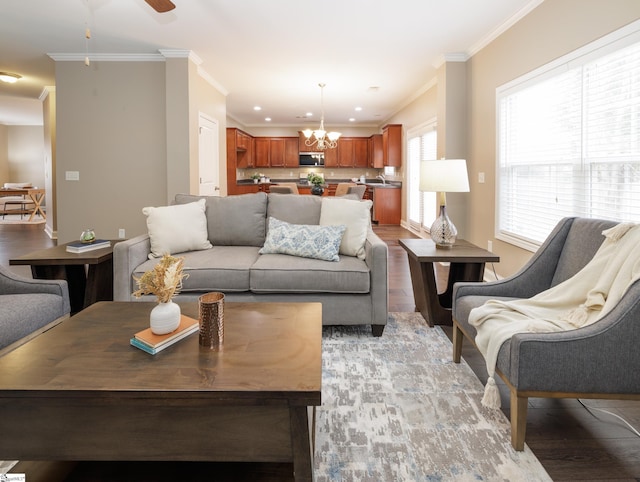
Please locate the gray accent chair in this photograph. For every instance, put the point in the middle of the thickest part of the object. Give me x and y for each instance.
(29, 307)
(596, 361)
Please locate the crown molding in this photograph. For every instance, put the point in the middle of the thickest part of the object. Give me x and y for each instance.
(80, 57)
(506, 25)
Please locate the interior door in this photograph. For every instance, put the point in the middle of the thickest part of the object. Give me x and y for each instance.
(209, 160)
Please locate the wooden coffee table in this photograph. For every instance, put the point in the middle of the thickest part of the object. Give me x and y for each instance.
(81, 392)
(86, 285)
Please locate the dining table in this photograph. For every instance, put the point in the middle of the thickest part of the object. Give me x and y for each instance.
(30, 195)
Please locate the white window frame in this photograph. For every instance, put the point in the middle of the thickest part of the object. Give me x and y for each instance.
(617, 40)
(427, 207)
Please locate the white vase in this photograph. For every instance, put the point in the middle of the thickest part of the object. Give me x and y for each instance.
(164, 318)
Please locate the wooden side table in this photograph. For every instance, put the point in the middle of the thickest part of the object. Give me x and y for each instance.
(86, 285)
(466, 264)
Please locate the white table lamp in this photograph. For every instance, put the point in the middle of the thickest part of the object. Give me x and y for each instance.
(442, 176)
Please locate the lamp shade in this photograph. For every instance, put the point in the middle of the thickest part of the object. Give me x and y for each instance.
(444, 175)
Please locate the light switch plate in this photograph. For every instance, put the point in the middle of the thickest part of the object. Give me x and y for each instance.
(72, 175)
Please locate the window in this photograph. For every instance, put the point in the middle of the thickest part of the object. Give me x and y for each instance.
(421, 144)
(569, 141)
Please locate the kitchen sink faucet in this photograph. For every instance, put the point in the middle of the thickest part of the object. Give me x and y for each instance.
(382, 178)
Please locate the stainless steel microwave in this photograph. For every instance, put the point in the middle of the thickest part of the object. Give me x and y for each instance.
(311, 159)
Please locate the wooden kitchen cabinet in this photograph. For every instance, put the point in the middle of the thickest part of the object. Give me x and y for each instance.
(239, 149)
(376, 156)
(262, 147)
(291, 152)
(392, 145)
(276, 151)
(387, 205)
(353, 152)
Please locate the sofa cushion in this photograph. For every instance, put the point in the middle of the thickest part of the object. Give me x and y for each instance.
(279, 273)
(307, 241)
(221, 268)
(355, 215)
(175, 229)
(295, 209)
(16, 322)
(233, 220)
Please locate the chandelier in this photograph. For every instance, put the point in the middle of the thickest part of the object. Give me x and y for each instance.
(320, 137)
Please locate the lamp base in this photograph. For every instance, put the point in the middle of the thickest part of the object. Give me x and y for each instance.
(443, 232)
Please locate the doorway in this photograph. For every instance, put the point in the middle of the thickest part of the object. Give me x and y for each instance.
(208, 155)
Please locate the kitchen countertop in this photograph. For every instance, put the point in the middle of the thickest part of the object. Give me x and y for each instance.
(374, 183)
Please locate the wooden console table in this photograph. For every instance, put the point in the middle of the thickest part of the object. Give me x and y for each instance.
(33, 195)
(466, 264)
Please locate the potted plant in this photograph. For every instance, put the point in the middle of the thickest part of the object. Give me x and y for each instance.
(317, 182)
(256, 177)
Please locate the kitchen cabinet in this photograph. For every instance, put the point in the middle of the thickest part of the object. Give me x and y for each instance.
(376, 156)
(276, 151)
(239, 149)
(291, 152)
(353, 152)
(387, 207)
(392, 145)
(262, 146)
(302, 147)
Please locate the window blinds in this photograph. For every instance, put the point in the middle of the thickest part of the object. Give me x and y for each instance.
(569, 145)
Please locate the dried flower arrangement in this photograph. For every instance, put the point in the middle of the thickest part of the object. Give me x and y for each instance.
(164, 280)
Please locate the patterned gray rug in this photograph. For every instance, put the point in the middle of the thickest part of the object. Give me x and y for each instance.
(396, 408)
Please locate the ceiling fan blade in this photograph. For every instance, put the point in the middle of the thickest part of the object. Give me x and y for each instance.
(161, 6)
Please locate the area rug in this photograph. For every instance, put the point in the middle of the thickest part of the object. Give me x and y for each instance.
(396, 408)
(17, 219)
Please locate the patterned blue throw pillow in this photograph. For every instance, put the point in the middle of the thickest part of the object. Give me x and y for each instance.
(304, 240)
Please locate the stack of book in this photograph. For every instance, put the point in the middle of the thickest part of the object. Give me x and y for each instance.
(80, 247)
(147, 341)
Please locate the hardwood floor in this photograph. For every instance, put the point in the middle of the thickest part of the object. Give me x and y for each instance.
(571, 443)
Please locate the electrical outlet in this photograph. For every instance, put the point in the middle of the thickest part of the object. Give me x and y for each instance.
(490, 245)
(481, 177)
(121, 234)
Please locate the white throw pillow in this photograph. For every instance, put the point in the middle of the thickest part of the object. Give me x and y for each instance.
(178, 228)
(355, 215)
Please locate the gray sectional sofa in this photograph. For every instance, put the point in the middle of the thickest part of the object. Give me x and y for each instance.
(352, 291)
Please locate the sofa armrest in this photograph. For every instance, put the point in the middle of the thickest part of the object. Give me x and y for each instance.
(599, 358)
(11, 283)
(127, 256)
(376, 257)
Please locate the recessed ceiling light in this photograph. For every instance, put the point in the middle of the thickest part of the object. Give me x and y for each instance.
(268, 119)
(257, 108)
(352, 119)
(309, 114)
(9, 77)
(358, 109)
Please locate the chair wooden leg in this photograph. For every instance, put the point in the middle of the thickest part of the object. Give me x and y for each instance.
(457, 342)
(518, 419)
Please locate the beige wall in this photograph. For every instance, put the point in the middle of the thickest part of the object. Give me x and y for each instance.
(24, 161)
(4, 154)
(126, 127)
(553, 29)
(49, 125)
(213, 104)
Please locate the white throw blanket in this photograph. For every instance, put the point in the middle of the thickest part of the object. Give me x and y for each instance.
(577, 302)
